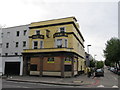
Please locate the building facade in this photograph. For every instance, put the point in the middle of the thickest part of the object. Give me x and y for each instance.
(56, 48)
(14, 40)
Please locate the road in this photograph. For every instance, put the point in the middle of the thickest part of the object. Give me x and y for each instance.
(109, 80)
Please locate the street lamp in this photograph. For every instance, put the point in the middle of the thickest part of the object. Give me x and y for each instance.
(88, 54)
(88, 48)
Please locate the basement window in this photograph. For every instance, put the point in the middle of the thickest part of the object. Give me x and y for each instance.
(33, 67)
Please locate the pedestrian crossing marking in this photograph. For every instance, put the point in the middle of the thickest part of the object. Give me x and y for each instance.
(114, 86)
(100, 86)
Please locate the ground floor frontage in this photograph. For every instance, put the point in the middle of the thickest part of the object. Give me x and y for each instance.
(63, 64)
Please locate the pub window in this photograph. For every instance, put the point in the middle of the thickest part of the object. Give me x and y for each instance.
(33, 67)
(68, 68)
(62, 29)
(68, 59)
(50, 60)
(59, 43)
(41, 44)
(66, 42)
(37, 32)
(35, 46)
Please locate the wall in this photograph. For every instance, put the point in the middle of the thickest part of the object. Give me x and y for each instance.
(12, 39)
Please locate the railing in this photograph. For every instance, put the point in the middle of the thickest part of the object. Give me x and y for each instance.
(37, 36)
(59, 34)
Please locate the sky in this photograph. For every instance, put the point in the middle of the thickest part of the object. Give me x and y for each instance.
(98, 19)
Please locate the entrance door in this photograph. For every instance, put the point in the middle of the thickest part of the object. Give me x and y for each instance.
(12, 68)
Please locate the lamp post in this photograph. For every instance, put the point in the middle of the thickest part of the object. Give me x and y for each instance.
(95, 61)
(88, 54)
(88, 48)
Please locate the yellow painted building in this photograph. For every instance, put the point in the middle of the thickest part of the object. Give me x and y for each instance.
(56, 48)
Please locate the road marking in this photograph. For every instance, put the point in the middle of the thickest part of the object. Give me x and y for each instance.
(114, 86)
(100, 86)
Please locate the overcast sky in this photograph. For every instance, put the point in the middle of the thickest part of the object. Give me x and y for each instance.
(98, 20)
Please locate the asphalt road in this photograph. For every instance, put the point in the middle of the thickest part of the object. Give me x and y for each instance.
(109, 80)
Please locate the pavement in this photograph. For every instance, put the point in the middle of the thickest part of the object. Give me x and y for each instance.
(73, 81)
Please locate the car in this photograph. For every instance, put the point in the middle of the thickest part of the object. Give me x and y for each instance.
(112, 69)
(115, 70)
(118, 71)
(99, 72)
(108, 68)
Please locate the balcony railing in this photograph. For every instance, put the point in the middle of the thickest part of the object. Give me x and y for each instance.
(37, 36)
(60, 34)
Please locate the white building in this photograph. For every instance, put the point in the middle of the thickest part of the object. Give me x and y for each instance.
(14, 40)
(0, 50)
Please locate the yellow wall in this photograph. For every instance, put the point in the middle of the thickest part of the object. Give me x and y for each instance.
(49, 42)
(54, 21)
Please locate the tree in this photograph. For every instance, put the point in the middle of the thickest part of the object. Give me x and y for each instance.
(107, 62)
(100, 64)
(92, 63)
(112, 51)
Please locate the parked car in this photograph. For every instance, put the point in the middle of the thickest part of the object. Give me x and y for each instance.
(99, 72)
(118, 71)
(112, 69)
(108, 68)
(115, 70)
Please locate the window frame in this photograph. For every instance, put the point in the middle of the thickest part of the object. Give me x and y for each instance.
(17, 44)
(24, 32)
(24, 43)
(34, 45)
(7, 45)
(41, 45)
(57, 43)
(50, 61)
(66, 43)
